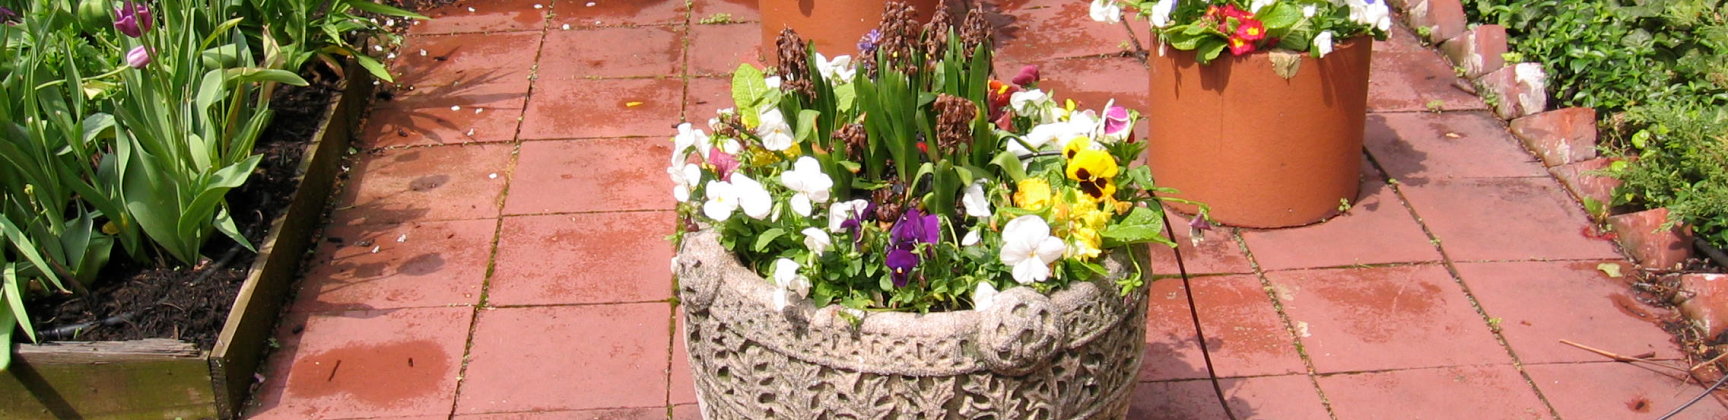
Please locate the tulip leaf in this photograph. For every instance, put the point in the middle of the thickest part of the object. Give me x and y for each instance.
(372, 65)
(15, 301)
(806, 130)
(6, 320)
(383, 9)
(257, 74)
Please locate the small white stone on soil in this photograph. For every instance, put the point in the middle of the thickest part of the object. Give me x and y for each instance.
(375, 248)
(422, 53)
(538, 6)
(455, 107)
(566, 26)
(403, 238)
(470, 132)
(494, 175)
(477, 110)
(470, 10)
(590, 4)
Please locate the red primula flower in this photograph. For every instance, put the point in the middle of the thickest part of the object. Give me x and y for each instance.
(1230, 10)
(1239, 46)
(1251, 30)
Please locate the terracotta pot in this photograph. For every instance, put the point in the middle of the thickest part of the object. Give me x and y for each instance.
(834, 25)
(1262, 151)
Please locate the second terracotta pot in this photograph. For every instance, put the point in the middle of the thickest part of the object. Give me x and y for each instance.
(1260, 150)
(834, 25)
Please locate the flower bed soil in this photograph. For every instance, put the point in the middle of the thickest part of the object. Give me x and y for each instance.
(133, 300)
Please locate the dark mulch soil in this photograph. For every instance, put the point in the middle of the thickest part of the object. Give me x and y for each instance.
(134, 300)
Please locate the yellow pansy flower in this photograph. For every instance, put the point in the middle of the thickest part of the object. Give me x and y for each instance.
(1094, 169)
(1032, 194)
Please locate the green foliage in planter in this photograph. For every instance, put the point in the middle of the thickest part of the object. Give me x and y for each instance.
(322, 29)
(1613, 54)
(1682, 165)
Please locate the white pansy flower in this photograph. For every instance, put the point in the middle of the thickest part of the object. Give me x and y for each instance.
(722, 200)
(689, 137)
(1161, 13)
(816, 240)
(751, 196)
(977, 205)
(808, 183)
(840, 212)
(1309, 10)
(972, 238)
(839, 70)
(684, 178)
(775, 133)
(1035, 140)
(788, 283)
(773, 82)
(1028, 247)
(1323, 43)
(984, 296)
(1106, 11)
(1029, 102)
(1256, 5)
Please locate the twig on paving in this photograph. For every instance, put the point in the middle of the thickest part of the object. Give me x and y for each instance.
(1712, 360)
(1619, 358)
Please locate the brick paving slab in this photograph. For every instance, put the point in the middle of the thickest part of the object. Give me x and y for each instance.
(567, 358)
(424, 184)
(583, 258)
(532, 282)
(603, 108)
(645, 51)
(1362, 319)
(416, 264)
(1541, 303)
(1396, 238)
(1494, 392)
(490, 16)
(1504, 219)
(1416, 148)
(459, 114)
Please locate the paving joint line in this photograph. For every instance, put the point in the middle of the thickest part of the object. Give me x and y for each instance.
(1289, 324)
(498, 229)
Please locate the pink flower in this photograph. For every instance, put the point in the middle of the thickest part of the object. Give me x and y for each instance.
(1116, 121)
(138, 58)
(132, 18)
(723, 163)
(1028, 75)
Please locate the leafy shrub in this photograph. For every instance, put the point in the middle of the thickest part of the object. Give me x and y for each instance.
(1613, 54)
(1682, 165)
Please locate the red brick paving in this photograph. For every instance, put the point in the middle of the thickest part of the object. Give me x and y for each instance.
(532, 282)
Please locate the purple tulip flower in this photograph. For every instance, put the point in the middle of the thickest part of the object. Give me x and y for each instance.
(138, 58)
(6, 15)
(133, 18)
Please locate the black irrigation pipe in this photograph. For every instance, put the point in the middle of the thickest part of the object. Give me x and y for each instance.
(1194, 311)
(1710, 251)
(1695, 400)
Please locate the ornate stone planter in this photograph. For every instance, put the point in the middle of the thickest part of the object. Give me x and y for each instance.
(1073, 354)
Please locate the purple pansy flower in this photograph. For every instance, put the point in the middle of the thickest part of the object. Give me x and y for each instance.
(132, 18)
(916, 227)
(901, 261)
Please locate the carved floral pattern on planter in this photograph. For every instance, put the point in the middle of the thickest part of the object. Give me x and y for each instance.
(1070, 355)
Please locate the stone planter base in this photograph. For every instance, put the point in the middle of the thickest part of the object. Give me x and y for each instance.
(1073, 354)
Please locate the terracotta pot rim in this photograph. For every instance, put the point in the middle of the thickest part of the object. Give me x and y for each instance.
(1347, 43)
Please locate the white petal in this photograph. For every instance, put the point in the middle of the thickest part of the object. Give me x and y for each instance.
(977, 205)
(816, 240)
(1051, 249)
(801, 204)
(971, 239)
(1031, 271)
(984, 296)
